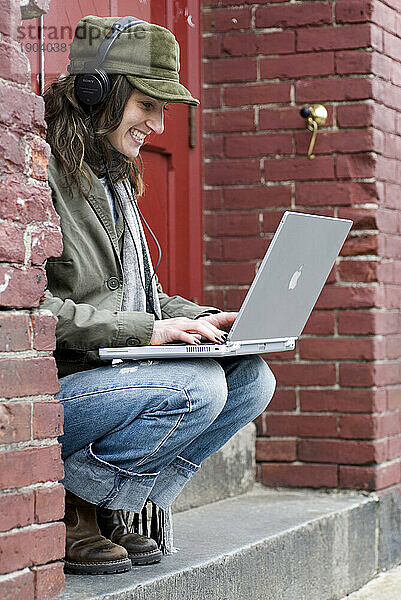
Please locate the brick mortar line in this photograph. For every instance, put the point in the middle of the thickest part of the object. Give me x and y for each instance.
(9, 576)
(255, 184)
(26, 354)
(29, 444)
(30, 527)
(26, 489)
(38, 398)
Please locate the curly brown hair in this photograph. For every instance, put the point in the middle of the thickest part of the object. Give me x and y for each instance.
(72, 139)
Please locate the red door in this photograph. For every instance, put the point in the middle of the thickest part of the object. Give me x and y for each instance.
(172, 161)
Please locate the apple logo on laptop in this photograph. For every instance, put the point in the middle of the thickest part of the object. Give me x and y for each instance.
(294, 278)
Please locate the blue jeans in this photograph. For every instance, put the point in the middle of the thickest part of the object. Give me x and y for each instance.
(139, 430)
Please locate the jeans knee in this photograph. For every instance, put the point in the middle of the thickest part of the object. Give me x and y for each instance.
(261, 386)
(209, 391)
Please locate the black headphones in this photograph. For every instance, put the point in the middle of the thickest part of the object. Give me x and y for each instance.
(93, 85)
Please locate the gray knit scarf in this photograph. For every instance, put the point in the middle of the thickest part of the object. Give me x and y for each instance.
(137, 264)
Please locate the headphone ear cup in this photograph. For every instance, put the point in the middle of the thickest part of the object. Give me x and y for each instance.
(92, 88)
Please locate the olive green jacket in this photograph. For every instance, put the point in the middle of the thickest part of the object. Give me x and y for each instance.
(85, 284)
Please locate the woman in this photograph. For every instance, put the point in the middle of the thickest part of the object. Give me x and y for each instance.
(137, 431)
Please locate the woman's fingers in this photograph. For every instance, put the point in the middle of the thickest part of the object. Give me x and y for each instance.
(185, 330)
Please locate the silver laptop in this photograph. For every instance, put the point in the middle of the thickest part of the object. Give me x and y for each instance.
(280, 299)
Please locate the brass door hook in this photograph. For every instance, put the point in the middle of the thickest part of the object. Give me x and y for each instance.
(316, 116)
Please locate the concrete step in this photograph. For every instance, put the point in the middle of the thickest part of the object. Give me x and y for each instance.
(229, 472)
(385, 586)
(263, 545)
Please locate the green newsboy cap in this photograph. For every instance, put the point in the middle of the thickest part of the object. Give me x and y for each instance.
(147, 54)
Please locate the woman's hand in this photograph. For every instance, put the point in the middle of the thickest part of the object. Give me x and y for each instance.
(191, 331)
(222, 320)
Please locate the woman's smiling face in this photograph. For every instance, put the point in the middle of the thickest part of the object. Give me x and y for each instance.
(142, 115)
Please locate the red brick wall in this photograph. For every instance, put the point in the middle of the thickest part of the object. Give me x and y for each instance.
(31, 500)
(335, 420)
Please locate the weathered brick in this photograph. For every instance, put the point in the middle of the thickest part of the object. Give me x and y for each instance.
(350, 166)
(353, 477)
(369, 478)
(294, 15)
(334, 38)
(355, 115)
(49, 503)
(40, 154)
(12, 147)
(354, 61)
(14, 64)
(211, 46)
(342, 400)
(16, 107)
(363, 218)
(365, 375)
(29, 547)
(266, 93)
(394, 447)
(21, 287)
(226, 19)
(47, 421)
(284, 450)
(301, 169)
(232, 171)
(213, 146)
(233, 120)
(21, 586)
(12, 244)
(213, 199)
(242, 146)
(350, 140)
(226, 70)
(339, 348)
(49, 581)
(234, 297)
(211, 97)
(320, 322)
(354, 11)
(341, 451)
(355, 270)
(16, 510)
(334, 193)
(30, 465)
(392, 46)
(10, 19)
(295, 475)
(257, 197)
(28, 376)
(239, 248)
(45, 242)
(302, 425)
(44, 330)
(334, 296)
(14, 332)
(24, 200)
(360, 245)
(229, 273)
(283, 400)
(347, 88)
(296, 65)
(248, 44)
(15, 422)
(281, 118)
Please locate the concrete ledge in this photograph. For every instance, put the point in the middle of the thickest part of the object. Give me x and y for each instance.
(264, 545)
(229, 472)
(389, 527)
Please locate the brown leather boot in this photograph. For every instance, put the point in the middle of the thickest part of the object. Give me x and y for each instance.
(87, 551)
(141, 550)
